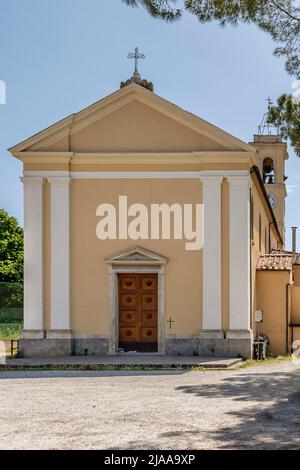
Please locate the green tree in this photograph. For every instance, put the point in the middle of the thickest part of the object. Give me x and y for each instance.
(278, 18)
(11, 249)
(286, 117)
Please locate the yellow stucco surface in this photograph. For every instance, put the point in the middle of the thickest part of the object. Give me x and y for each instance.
(295, 303)
(137, 127)
(89, 273)
(271, 298)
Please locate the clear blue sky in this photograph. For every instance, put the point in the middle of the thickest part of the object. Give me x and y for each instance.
(58, 56)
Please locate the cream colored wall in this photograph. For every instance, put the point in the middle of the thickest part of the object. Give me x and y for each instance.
(259, 210)
(280, 209)
(98, 166)
(296, 305)
(137, 127)
(60, 146)
(89, 273)
(271, 298)
(295, 314)
(42, 166)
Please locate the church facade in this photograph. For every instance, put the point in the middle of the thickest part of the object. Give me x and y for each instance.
(90, 288)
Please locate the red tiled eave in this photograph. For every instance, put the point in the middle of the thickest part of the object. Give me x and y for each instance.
(275, 262)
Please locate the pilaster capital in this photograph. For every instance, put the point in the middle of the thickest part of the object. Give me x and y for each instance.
(32, 180)
(59, 180)
(239, 180)
(211, 180)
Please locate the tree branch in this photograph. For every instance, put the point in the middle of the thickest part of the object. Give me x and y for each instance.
(286, 12)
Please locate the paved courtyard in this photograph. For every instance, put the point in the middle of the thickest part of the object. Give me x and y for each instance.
(252, 408)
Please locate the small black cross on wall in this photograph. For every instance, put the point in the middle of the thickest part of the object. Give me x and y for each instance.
(170, 321)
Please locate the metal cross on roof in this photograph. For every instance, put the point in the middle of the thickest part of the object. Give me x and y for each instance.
(267, 127)
(270, 102)
(136, 55)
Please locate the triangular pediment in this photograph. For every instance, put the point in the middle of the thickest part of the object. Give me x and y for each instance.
(136, 255)
(138, 127)
(132, 119)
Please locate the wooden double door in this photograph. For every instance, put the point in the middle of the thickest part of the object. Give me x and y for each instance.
(138, 312)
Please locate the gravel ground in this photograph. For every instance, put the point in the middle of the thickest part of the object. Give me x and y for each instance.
(257, 407)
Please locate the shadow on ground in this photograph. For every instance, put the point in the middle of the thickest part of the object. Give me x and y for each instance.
(272, 422)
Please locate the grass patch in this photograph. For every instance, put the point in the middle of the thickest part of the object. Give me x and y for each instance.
(262, 362)
(10, 330)
(198, 369)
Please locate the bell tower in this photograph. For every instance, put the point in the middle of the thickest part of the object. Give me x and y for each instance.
(272, 156)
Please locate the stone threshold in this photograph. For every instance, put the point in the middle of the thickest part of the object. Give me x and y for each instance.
(122, 361)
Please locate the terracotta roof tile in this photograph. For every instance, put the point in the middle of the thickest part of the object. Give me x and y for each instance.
(275, 262)
(296, 256)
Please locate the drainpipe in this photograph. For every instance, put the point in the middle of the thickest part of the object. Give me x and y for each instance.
(270, 223)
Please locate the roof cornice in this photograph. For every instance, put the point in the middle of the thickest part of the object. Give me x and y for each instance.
(77, 121)
(83, 158)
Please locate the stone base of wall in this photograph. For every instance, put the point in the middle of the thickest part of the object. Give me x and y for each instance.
(212, 346)
(42, 343)
(226, 347)
(176, 345)
(50, 347)
(235, 344)
(45, 347)
(90, 346)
